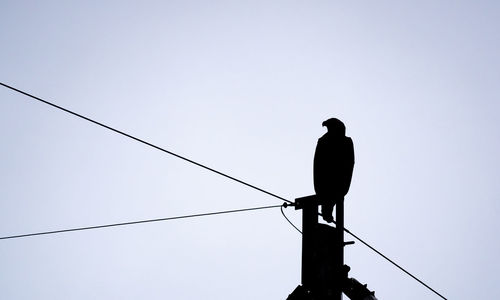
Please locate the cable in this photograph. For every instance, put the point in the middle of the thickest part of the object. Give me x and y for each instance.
(144, 142)
(136, 222)
(392, 262)
(283, 213)
(372, 248)
(389, 260)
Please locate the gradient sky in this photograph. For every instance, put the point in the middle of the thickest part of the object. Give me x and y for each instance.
(243, 86)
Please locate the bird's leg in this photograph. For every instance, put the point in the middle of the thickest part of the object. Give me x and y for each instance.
(327, 211)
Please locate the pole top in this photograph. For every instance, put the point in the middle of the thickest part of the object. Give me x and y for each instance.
(306, 201)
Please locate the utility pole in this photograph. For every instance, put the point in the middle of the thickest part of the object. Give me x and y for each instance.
(322, 254)
(324, 275)
(309, 208)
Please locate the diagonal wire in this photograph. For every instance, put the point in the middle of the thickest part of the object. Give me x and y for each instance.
(388, 259)
(136, 222)
(375, 250)
(392, 262)
(144, 142)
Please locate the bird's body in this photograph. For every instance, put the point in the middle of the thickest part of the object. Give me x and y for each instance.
(333, 166)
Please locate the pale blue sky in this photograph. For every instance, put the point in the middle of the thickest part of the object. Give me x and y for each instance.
(243, 86)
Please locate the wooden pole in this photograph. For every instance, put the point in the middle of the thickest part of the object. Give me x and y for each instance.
(309, 206)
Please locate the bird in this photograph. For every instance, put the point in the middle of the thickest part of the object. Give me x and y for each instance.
(332, 167)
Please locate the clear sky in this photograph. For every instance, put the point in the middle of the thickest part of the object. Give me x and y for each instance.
(243, 86)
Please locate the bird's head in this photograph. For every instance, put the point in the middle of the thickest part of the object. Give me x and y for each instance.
(335, 127)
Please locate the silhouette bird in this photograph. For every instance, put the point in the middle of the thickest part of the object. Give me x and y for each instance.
(333, 165)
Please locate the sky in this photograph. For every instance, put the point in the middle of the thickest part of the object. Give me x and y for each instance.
(243, 87)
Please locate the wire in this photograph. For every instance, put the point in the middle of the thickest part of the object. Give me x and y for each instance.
(283, 213)
(392, 262)
(137, 222)
(389, 260)
(372, 248)
(144, 142)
